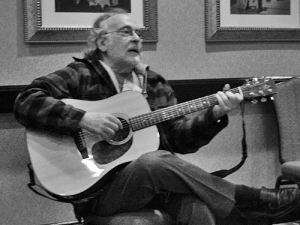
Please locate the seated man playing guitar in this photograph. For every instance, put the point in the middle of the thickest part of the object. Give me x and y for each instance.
(103, 132)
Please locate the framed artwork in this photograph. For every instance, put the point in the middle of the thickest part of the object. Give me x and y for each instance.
(252, 20)
(69, 21)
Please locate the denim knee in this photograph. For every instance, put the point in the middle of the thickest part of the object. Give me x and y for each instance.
(152, 160)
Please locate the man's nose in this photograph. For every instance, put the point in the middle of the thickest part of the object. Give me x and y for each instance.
(136, 37)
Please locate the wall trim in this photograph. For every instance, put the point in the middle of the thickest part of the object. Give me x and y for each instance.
(8, 95)
(185, 89)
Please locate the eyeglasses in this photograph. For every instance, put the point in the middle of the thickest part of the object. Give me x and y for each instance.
(126, 32)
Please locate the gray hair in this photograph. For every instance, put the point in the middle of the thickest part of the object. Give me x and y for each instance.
(93, 52)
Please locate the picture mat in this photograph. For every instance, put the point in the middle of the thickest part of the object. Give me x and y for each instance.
(52, 19)
(260, 21)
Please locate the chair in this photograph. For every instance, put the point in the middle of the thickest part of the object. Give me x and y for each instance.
(153, 216)
(144, 217)
(287, 107)
(158, 217)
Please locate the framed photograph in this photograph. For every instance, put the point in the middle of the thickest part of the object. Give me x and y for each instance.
(69, 21)
(252, 20)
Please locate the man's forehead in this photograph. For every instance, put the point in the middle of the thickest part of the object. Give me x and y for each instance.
(119, 20)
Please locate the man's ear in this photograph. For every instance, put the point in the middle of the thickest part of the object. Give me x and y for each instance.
(101, 42)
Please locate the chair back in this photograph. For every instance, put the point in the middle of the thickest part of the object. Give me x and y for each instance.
(287, 106)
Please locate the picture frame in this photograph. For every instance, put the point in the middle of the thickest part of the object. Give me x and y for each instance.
(216, 32)
(35, 32)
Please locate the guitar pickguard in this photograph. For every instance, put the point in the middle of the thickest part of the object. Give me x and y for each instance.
(105, 153)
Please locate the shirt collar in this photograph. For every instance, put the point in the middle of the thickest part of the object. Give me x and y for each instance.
(138, 75)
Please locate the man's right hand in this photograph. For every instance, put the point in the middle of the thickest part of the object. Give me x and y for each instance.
(103, 124)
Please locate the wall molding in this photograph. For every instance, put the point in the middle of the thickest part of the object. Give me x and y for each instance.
(185, 89)
(8, 95)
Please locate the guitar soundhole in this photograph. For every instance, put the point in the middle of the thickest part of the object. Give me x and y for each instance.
(121, 134)
(104, 152)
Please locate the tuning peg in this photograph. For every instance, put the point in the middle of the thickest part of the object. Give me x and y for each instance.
(254, 101)
(263, 99)
(272, 98)
(261, 92)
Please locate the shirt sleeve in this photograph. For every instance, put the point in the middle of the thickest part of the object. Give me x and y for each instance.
(187, 134)
(39, 105)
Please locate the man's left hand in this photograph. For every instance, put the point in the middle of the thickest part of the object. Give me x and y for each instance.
(227, 101)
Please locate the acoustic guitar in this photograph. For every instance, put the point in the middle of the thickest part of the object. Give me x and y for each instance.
(74, 167)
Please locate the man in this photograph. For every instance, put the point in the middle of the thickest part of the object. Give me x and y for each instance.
(112, 65)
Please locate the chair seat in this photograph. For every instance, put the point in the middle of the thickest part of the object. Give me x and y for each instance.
(144, 217)
(291, 169)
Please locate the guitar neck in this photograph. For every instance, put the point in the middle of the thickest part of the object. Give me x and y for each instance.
(161, 115)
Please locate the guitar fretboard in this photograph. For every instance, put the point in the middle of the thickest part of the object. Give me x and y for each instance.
(161, 115)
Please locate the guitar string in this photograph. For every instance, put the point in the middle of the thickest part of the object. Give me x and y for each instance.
(187, 107)
(88, 135)
(146, 120)
(205, 100)
(176, 110)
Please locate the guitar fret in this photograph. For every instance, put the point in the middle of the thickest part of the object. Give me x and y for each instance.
(142, 121)
(180, 111)
(193, 106)
(137, 124)
(206, 103)
(187, 110)
(200, 104)
(169, 114)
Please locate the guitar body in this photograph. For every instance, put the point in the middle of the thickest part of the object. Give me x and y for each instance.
(61, 168)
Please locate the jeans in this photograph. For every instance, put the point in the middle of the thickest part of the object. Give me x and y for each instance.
(181, 186)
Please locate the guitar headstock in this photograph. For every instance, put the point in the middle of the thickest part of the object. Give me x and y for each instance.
(259, 88)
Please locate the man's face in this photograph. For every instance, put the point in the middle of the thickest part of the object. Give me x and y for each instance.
(121, 46)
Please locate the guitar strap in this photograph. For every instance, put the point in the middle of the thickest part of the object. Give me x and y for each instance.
(141, 70)
(32, 183)
(225, 173)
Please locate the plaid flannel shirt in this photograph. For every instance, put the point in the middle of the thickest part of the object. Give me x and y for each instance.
(39, 105)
